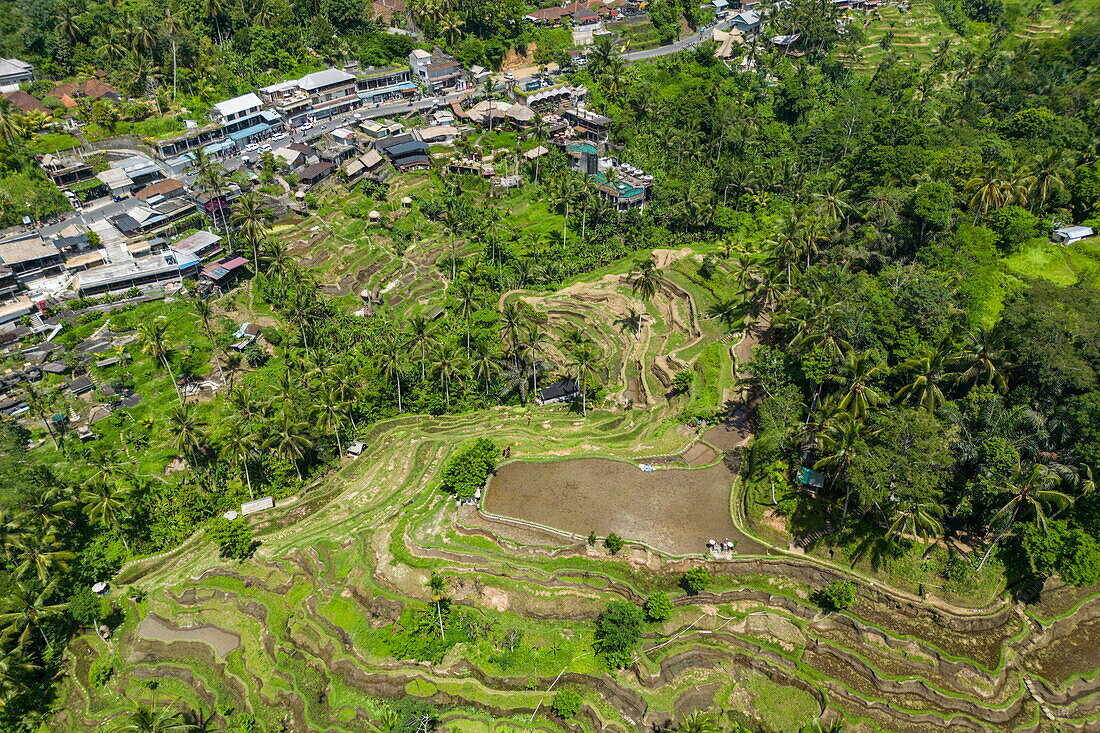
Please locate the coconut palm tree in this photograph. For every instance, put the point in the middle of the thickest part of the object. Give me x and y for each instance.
(172, 28)
(993, 188)
(645, 277)
(147, 718)
(834, 201)
(41, 404)
(392, 357)
(153, 337)
(855, 376)
(46, 508)
(483, 363)
(981, 360)
(466, 296)
(39, 556)
(25, 609)
(68, 27)
(511, 321)
(916, 518)
(1032, 490)
(1047, 176)
(187, 429)
(14, 667)
(437, 586)
(929, 373)
(533, 338)
(331, 414)
(540, 131)
(447, 366)
(584, 363)
(289, 438)
(420, 334)
(204, 311)
(698, 722)
(11, 124)
(250, 218)
(239, 448)
(107, 504)
(211, 177)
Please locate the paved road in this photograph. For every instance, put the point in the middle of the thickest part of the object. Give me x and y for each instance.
(680, 45)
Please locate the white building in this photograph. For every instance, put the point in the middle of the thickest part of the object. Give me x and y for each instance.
(238, 108)
(1068, 235)
(14, 72)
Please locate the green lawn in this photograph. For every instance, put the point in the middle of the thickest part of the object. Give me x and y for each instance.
(1069, 265)
(53, 142)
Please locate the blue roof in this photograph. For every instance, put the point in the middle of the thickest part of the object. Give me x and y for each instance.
(403, 86)
(215, 148)
(249, 132)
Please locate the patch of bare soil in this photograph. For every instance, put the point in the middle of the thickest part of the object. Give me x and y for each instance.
(155, 628)
(1076, 653)
(673, 510)
(700, 454)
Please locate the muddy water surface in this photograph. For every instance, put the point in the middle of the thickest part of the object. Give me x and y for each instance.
(675, 510)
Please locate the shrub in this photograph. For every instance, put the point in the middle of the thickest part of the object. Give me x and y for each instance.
(234, 538)
(682, 381)
(618, 630)
(255, 355)
(837, 596)
(614, 543)
(695, 580)
(1014, 225)
(101, 671)
(658, 607)
(591, 539)
(467, 470)
(567, 704)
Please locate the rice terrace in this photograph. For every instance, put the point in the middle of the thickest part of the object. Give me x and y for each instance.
(463, 366)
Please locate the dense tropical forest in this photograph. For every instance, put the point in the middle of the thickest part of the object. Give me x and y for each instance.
(927, 350)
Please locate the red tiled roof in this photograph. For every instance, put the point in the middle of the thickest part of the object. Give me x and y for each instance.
(25, 102)
(386, 9)
(160, 188)
(547, 14)
(63, 90)
(94, 88)
(97, 89)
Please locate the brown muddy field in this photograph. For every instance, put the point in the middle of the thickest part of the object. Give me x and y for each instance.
(1077, 653)
(155, 628)
(675, 510)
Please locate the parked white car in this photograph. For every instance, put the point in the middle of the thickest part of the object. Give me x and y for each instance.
(266, 147)
(251, 147)
(307, 127)
(278, 137)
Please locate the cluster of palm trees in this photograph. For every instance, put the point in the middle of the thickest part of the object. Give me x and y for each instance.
(442, 18)
(16, 124)
(855, 388)
(36, 542)
(479, 363)
(1025, 182)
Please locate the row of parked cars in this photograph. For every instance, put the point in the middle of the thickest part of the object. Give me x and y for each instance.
(265, 147)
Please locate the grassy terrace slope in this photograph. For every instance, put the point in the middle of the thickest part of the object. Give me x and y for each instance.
(306, 632)
(311, 612)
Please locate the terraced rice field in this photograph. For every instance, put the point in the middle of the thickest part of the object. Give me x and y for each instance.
(312, 612)
(673, 510)
(304, 634)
